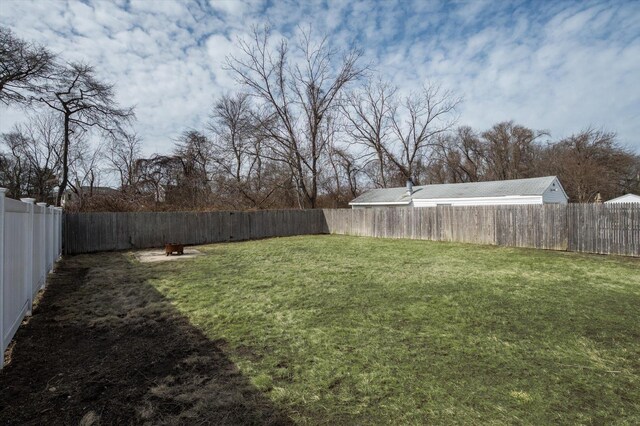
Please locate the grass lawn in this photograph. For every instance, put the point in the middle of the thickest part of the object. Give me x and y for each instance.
(359, 330)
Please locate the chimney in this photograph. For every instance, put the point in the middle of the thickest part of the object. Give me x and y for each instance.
(409, 187)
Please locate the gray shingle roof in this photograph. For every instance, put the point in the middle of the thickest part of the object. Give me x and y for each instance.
(532, 186)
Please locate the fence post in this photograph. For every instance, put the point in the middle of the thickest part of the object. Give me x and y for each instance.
(43, 262)
(64, 233)
(28, 253)
(52, 257)
(3, 192)
(47, 237)
(57, 231)
(54, 240)
(61, 229)
(60, 217)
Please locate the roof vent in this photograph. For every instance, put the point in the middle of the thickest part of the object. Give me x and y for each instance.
(409, 186)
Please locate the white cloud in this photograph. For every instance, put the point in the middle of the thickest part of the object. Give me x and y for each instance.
(230, 7)
(560, 67)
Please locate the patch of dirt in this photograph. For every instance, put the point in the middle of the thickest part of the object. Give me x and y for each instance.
(104, 347)
(159, 255)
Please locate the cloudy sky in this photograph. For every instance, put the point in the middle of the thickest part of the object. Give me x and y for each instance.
(550, 65)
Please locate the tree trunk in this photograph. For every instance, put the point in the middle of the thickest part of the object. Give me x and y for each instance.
(65, 162)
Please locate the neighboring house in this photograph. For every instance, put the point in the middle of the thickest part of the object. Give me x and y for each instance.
(543, 190)
(627, 198)
(70, 196)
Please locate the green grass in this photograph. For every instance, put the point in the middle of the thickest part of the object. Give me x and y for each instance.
(360, 330)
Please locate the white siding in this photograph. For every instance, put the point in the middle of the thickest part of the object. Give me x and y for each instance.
(480, 201)
(555, 194)
(374, 205)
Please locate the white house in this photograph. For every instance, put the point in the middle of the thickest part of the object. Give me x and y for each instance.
(542, 190)
(627, 198)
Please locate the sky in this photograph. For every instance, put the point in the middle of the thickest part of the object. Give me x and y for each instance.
(558, 66)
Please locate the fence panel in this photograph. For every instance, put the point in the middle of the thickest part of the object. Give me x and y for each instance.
(604, 228)
(93, 232)
(590, 228)
(28, 250)
(15, 295)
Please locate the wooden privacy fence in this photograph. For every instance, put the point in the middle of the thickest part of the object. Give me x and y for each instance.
(30, 243)
(590, 228)
(92, 232)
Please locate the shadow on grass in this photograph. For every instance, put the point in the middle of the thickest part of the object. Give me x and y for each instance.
(105, 347)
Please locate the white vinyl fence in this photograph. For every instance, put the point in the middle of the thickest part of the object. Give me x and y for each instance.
(30, 243)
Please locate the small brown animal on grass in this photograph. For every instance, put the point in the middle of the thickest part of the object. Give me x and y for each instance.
(170, 248)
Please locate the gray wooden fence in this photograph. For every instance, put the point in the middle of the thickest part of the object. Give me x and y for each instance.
(591, 228)
(93, 232)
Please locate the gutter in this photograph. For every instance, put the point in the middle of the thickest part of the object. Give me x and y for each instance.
(381, 203)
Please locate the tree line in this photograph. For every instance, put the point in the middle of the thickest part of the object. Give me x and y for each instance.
(312, 126)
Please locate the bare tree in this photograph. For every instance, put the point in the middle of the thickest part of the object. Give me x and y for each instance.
(416, 122)
(399, 133)
(23, 67)
(158, 175)
(35, 149)
(509, 151)
(368, 116)
(238, 146)
(85, 167)
(43, 137)
(592, 162)
(297, 94)
(347, 170)
(460, 157)
(194, 152)
(123, 151)
(84, 102)
(14, 169)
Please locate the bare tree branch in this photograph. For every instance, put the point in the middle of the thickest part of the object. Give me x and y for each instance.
(24, 68)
